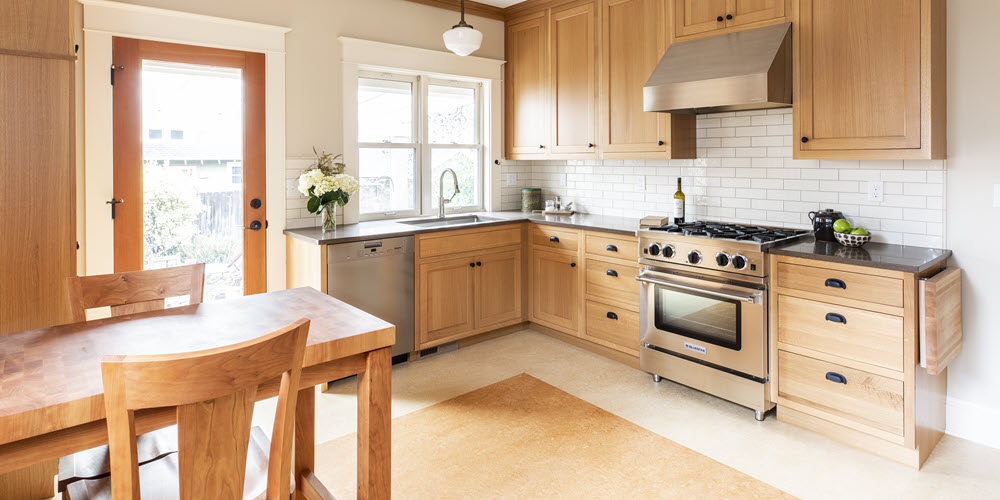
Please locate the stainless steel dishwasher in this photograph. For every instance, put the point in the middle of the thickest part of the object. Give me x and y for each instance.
(376, 276)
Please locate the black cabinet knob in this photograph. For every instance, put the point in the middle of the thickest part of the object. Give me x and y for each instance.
(805, 139)
(729, 17)
(572, 264)
(719, 19)
(659, 143)
(479, 263)
(541, 146)
(472, 264)
(590, 144)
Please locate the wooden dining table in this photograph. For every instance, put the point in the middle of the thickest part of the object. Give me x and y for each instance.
(52, 398)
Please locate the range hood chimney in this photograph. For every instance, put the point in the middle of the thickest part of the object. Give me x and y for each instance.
(749, 69)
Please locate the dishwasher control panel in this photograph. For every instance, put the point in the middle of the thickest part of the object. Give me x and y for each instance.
(378, 248)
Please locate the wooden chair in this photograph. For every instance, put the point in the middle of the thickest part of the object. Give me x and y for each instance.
(136, 291)
(214, 392)
(127, 293)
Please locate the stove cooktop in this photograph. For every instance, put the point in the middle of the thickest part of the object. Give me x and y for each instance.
(726, 231)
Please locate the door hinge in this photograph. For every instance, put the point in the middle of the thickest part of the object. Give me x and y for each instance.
(113, 68)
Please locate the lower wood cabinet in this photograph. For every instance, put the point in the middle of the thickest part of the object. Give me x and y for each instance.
(555, 290)
(498, 289)
(446, 299)
(613, 325)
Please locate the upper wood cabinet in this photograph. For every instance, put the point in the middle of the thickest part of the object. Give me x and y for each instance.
(869, 79)
(526, 105)
(573, 75)
(39, 27)
(633, 41)
(714, 17)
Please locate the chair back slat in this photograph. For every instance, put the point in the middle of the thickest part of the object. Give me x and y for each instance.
(135, 291)
(214, 392)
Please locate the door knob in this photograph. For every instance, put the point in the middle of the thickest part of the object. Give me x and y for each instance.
(255, 203)
(255, 225)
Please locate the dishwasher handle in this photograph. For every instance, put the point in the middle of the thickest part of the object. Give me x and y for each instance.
(752, 299)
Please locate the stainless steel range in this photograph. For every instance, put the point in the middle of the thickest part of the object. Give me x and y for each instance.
(703, 315)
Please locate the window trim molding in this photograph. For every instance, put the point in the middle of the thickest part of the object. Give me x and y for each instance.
(362, 55)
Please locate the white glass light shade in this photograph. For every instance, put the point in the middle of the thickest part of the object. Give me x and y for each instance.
(463, 40)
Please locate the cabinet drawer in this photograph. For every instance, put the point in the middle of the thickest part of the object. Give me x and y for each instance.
(844, 284)
(448, 243)
(866, 398)
(612, 281)
(603, 245)
(613, 324)
(550, 237)
(865, 336)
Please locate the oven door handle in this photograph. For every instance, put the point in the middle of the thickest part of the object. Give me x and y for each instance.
(753, 299)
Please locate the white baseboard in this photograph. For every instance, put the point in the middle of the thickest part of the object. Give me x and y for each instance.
(973, 421)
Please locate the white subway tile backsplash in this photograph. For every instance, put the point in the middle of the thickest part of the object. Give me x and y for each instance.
(745, 173)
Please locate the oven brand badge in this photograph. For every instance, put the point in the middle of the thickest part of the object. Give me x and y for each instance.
(696, 348)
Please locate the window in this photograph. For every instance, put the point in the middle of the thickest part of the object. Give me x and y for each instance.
(176, 134)
(410, 129)
(155, 133)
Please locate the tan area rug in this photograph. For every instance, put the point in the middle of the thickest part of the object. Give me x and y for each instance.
(523, 438)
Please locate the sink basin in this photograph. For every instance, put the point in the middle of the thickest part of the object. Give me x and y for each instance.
(450, 221)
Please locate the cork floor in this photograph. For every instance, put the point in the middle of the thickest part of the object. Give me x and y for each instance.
(793, 460)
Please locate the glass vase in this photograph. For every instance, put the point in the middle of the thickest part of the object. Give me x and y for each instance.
(330, 217)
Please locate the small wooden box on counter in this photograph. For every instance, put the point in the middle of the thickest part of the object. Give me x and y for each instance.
(847, 345)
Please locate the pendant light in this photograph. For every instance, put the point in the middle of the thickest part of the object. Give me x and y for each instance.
(462, 38)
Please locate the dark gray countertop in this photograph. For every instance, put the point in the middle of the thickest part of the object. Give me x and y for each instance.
(346, 233)
(878, 255)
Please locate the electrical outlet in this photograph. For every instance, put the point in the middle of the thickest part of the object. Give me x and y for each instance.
(511, 180)
(996, 195)
(640, 182)
(876, 191)
(562, 180)
(292, 188)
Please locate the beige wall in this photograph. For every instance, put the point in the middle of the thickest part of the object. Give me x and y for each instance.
(973, 231)
(313, 77)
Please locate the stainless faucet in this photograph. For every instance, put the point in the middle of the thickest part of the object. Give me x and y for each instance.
(441, 200)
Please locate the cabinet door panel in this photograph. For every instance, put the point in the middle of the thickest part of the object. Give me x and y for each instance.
(752, 11)
(698, 16)
(446, 299)
(498, 288)
(859, 67)
(527, 86)
(634, 39)
(573, 71)
(555, 292)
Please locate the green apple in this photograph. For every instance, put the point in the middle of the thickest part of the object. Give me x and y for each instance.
(842, 226)
(860, 231)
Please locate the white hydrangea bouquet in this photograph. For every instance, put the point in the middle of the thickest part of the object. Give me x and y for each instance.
(327, 186)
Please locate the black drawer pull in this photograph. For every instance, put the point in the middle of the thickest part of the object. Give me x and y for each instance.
(836, 377)
(836, 318)
(835, 283)
(611, 248)
(612, 273)
(612, 315)
(554, 239)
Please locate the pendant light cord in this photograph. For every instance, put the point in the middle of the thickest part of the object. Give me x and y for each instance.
(462, 23)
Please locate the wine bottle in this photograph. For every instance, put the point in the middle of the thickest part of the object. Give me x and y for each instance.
(679, 203)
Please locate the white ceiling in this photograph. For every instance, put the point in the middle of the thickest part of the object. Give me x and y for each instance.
(500, 3)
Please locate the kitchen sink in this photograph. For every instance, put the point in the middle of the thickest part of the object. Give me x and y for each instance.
(464, 220)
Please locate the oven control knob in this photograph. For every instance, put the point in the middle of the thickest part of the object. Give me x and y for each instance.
(722, 259)
(739, 262)
(669, 251)
(694, 257)
(654, 249)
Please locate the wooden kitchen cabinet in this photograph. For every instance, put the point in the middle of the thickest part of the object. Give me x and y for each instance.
(698, 18)
(526, 107)
(633, 39)
(869, 79)
(447, 299)
(498, 288)
(573, 78)
(555, 290)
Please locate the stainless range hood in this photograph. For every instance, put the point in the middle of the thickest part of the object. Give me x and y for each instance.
(745, 70)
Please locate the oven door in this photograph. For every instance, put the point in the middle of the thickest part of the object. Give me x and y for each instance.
(718, 324)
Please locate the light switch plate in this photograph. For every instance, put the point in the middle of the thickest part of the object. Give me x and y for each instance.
(292, 188)
(640, 182)
(511, 180)
(996, 195)
(876, 191)
(562, 180)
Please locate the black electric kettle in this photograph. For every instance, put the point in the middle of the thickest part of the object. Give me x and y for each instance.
(823, 223)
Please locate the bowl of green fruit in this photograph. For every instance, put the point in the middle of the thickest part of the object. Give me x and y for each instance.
(850, 236)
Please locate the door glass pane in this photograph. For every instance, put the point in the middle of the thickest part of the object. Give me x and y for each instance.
(193, 171)
(451, 114)
(697, 316)
(465, 163)
(388, 179)
(385, 111)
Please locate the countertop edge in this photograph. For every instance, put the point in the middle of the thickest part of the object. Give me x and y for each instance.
(788, 252)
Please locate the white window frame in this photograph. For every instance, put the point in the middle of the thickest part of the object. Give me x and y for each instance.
(423, 148)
